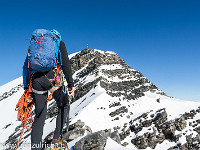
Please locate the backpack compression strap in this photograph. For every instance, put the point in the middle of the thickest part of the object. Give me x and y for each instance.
(58, 39)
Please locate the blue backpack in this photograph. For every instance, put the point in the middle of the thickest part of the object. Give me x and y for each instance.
(43, 53)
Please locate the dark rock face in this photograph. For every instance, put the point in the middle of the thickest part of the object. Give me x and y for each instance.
(147, 140)
(161, 117)
(76, 130)
(197, 130)
(52, 111)
(138, 127)
(140, 142)
(78, 124)
(193, 143)
(180, 123)
(81, 89)
(114, 104)
(122, 109)
(71, 135)
(95, 141)
(169, 129)
(115, 136)
(124, 134)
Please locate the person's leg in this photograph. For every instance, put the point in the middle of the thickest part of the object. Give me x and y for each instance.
(62, 101)
(40, 116)
(40, 83)
(63, 114)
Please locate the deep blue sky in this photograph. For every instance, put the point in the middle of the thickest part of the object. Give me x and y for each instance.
(159, 38)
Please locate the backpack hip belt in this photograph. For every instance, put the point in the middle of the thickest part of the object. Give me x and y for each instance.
(53, 89)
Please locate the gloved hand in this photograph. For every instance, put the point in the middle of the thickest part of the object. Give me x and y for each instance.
(71, 91)
(25, 89)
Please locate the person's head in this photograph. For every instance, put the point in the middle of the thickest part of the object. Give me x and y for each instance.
(57, 34)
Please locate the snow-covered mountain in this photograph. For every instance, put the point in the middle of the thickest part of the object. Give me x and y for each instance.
(115, 108)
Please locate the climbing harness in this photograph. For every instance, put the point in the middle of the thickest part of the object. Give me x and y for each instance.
(59, 81)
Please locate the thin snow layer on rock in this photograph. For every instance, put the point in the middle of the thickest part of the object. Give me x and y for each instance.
(164, 145)
(72, 55)
(100, 51)
(72, 143)
(103, 52)
(8, 86)
(110, 52)
(126, 77)
(112, 145)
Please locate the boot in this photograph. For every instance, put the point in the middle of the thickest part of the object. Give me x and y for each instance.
(59, 144)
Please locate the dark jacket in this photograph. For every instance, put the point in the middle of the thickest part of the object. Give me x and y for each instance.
(66, 66)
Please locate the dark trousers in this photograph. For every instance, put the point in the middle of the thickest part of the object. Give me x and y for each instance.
(40, 82)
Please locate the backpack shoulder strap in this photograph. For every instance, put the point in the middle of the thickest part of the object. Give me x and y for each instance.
(58, 59)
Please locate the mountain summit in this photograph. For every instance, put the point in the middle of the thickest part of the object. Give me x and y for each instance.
(115, 107)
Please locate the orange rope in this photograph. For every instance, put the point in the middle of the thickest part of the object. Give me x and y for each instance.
(24, 113)
(19, 138)
(24, 109)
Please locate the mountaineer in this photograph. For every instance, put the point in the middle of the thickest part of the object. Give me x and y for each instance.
(45, 69)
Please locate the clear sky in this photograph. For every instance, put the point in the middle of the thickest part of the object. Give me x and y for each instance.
(159, 38)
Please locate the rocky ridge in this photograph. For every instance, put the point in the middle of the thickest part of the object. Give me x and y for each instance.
(132, 84)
